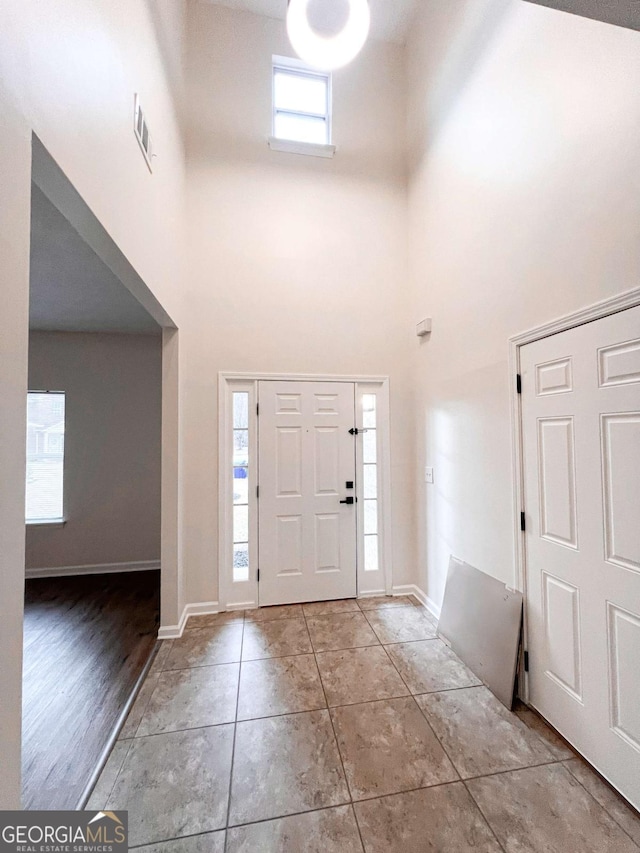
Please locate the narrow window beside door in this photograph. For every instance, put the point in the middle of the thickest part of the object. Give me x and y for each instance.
(241, 485)
(370, 482)
(45, 457)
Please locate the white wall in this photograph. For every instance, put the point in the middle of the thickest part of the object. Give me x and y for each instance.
(68, 71)
(113, 398)
(524, 205)
(297, 264)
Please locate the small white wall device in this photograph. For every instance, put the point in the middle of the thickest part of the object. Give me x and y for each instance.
(423, 328)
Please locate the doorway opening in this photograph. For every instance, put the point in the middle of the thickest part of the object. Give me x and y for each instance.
(99, 517)
(304, 488)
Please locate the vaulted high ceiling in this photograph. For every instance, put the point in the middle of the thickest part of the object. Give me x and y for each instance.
(390, 19)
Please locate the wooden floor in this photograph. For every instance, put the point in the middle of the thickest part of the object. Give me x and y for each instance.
(86, 641)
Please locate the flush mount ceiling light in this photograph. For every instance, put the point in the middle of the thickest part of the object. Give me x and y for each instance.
(328, 53)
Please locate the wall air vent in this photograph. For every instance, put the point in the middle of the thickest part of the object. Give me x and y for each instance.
(141, 130)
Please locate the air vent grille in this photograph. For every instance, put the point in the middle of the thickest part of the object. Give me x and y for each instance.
(141, 130)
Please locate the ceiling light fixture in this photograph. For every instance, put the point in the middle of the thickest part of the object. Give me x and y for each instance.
(322, 52)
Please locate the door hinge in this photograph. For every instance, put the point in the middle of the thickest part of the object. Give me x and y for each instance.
(523, 522)
(257, 492)
(518, 383)
(526, 661)
(258, 575)
(354, 431)
(257, 408)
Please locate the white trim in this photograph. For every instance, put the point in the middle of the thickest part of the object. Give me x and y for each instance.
(236, 595)
(595, 311)
(423, 598)
(311, 149)
(228, 376)
(228, 381)
(95, 569)
(203, 608)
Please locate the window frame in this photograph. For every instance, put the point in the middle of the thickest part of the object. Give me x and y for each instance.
(295, 68)
(56, 521)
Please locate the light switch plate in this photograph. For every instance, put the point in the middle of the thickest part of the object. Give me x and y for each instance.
(428, 475)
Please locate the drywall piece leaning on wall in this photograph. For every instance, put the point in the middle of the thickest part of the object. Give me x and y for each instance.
(481, 620)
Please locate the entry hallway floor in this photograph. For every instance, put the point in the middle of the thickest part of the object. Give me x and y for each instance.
(343, 727)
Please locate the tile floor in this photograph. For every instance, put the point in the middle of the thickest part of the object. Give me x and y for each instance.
(344, 727)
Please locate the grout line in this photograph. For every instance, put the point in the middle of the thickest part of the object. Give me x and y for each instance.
(235, 731)
(335, 736)
(424, 716)
(483, 815)
(613, 818)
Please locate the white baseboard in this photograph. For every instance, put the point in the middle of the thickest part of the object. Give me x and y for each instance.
(97, 569)
(423, 598)
(203, 608)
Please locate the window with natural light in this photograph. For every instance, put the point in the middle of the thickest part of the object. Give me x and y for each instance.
(301, 103)
(241, 486)
(45, 456)
(370, 466)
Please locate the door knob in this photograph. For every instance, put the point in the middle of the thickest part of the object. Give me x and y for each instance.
(348, 501)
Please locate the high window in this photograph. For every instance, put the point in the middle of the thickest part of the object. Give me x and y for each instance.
(45, 457)
(301, 103)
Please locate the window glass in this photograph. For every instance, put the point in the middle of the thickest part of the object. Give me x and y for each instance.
(370, 477)
(301, 104)
(45, 456)
(300, 128)
(241, 470)
(300, 93)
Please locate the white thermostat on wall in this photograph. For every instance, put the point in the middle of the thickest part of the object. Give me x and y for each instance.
(423, 328)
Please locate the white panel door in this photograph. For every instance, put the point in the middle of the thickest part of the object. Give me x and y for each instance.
(581, 432)
(307, 537)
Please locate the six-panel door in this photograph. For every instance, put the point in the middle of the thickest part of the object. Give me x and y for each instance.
(307, 457)
(581, 431)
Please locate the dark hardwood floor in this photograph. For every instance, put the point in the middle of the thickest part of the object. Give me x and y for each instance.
(86, 641)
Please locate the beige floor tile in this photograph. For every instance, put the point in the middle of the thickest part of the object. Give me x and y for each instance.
(340, 631)
(268, 614)
(388, 747)
(285, 765)
(479, 734)
(326, 831)
(401, 624)
(375, 602)
(623, 814)
(275, 638)
(543, 809)
(359, 675)
(211, 620)
(206, 647)
(279, 686)
(210, 842)
(175, 784)
(190, 698)
(326, 608)
(434, 820)
(554, 743)
(428, 666)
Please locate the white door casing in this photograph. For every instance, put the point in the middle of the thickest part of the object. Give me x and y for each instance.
(581, 467)
(307, 537)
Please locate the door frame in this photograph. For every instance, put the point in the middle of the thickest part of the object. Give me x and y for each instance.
(595, 311)
(239, 596)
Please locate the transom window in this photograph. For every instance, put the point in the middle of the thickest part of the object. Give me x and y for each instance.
(301, 103)
(45, 457)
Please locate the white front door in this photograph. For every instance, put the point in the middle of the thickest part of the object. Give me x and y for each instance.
(581, 431)
(307, 469)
